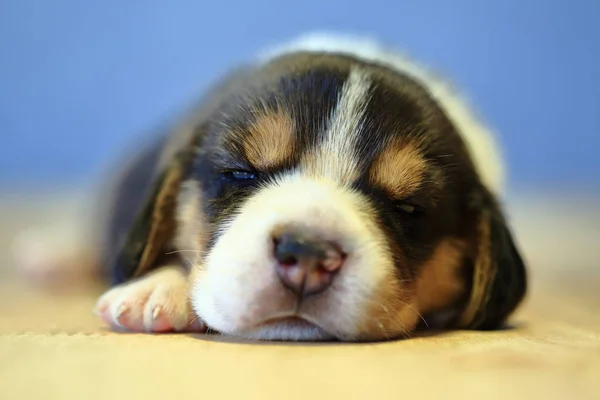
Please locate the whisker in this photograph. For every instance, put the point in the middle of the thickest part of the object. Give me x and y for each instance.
(410, 306)
(415, 311)
(189, 261)
(210, 330)
(181, 251)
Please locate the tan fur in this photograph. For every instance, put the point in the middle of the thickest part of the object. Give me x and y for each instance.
(270, 139)
(390, 314)
(191, 235)
(163, 220)
(483, 275)
(439, 284)
(399, 169)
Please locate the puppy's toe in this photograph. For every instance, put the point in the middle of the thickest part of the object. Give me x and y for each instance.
(155, 303)
(167, 309)
(123, 306)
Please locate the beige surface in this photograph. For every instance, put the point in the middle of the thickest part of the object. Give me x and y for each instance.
(53, 347)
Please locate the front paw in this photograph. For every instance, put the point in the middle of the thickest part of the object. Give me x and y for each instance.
(157, 302)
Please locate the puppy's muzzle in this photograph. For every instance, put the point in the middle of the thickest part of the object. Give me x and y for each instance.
(306, 264)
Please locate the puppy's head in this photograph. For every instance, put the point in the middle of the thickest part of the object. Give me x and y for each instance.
(328, 197)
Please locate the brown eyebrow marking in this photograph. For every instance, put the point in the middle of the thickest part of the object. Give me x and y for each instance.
(270, 139)
(399, 169)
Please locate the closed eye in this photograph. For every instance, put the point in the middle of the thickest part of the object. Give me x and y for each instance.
(238, 175)
(410, 209)
(407, 208)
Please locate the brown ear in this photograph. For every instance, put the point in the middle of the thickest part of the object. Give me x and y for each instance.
(149, 234)
(498, 276)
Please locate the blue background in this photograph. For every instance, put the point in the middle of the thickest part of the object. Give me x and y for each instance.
(81, 79)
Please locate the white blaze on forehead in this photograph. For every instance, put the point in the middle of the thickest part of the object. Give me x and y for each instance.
(478, 137)
(335, 158)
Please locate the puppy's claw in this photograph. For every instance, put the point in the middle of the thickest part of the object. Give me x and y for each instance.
(155, 313)
(120, 311)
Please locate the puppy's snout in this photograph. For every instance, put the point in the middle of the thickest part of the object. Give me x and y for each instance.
(306, 264)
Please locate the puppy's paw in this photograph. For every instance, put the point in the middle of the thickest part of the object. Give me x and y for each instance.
(157, 302)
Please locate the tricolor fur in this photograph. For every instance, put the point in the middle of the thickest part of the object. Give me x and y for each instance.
(346, 140)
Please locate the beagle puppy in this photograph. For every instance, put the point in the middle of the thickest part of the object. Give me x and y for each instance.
(333, 189)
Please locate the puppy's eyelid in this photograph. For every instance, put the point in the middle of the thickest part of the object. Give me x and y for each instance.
(242, 175)
(239, 175)
(407, 208)
(411, 206)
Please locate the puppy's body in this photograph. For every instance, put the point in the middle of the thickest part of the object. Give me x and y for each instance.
(333, 189)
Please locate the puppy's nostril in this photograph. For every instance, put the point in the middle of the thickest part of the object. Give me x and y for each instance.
(287, 260)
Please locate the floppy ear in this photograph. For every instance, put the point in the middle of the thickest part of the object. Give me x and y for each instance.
(141, 218)
(147, 236)
(497, 275)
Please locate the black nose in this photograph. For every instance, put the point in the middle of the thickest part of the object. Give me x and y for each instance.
(305, 264)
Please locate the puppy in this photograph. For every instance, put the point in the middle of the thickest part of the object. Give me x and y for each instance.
(332, 189)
